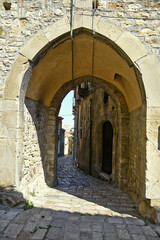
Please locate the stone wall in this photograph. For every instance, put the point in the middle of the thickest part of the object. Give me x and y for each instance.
(138, 17)
(93, 113)
(137, 149)
(128, 156)
(83, 147)
(102, 112)
(34, 146)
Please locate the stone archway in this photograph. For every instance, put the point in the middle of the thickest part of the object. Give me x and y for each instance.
(140, 66)
(121, 122)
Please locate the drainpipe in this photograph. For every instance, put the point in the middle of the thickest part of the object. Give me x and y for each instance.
(90, 140)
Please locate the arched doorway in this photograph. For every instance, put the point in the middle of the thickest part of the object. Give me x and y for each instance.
(57, 68)
(107, 147)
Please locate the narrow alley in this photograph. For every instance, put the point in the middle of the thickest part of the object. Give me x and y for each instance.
(80, 208)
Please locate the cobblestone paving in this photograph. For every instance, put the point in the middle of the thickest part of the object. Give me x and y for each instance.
(80, 208)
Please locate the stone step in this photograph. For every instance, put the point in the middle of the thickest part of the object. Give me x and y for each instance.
(105, 176)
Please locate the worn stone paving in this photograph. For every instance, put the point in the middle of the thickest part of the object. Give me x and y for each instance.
(80, 208)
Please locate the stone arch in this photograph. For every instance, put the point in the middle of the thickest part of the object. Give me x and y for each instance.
(144, 66)
(119, 170)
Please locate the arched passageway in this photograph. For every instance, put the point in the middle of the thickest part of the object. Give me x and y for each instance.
(56, 65)
(64, 65)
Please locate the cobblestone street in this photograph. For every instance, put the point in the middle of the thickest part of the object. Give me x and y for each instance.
(81, 207)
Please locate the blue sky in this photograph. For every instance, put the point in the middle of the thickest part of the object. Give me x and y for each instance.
(66, 109)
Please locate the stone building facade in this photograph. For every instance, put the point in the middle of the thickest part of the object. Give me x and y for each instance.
(97, 107)
(49, 47)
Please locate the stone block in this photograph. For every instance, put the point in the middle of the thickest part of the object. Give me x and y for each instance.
(9, 105)
(39, 234)
(138, 237)
(78, 21)
(24, 236)
(10, 215)
(83, 4)
(10, 133)
(14, 80)
(87, 22)
(54, 233)
(97, 236)
(67, 3)
(123, 234)
(16, 31)
(115, 220)
(152, 172)
(153, 114)
(132, 46)
(59, 28)
(8, 162)
(70, 236)
(147, 31)
(134, 221)
(109, 228)
(44, 224)
(152, 39)
(149, 231)
(150, 69)
(3, 33)
(30, 227)
(107, 29)
(157, 228)
(34, 46)
(58, 12)
(13, 230)
(3, 224)
(9, 119)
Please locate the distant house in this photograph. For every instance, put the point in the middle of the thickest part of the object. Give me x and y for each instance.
(68, 149)
(61, 133)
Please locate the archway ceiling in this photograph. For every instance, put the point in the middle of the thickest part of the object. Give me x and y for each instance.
(91, 58)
